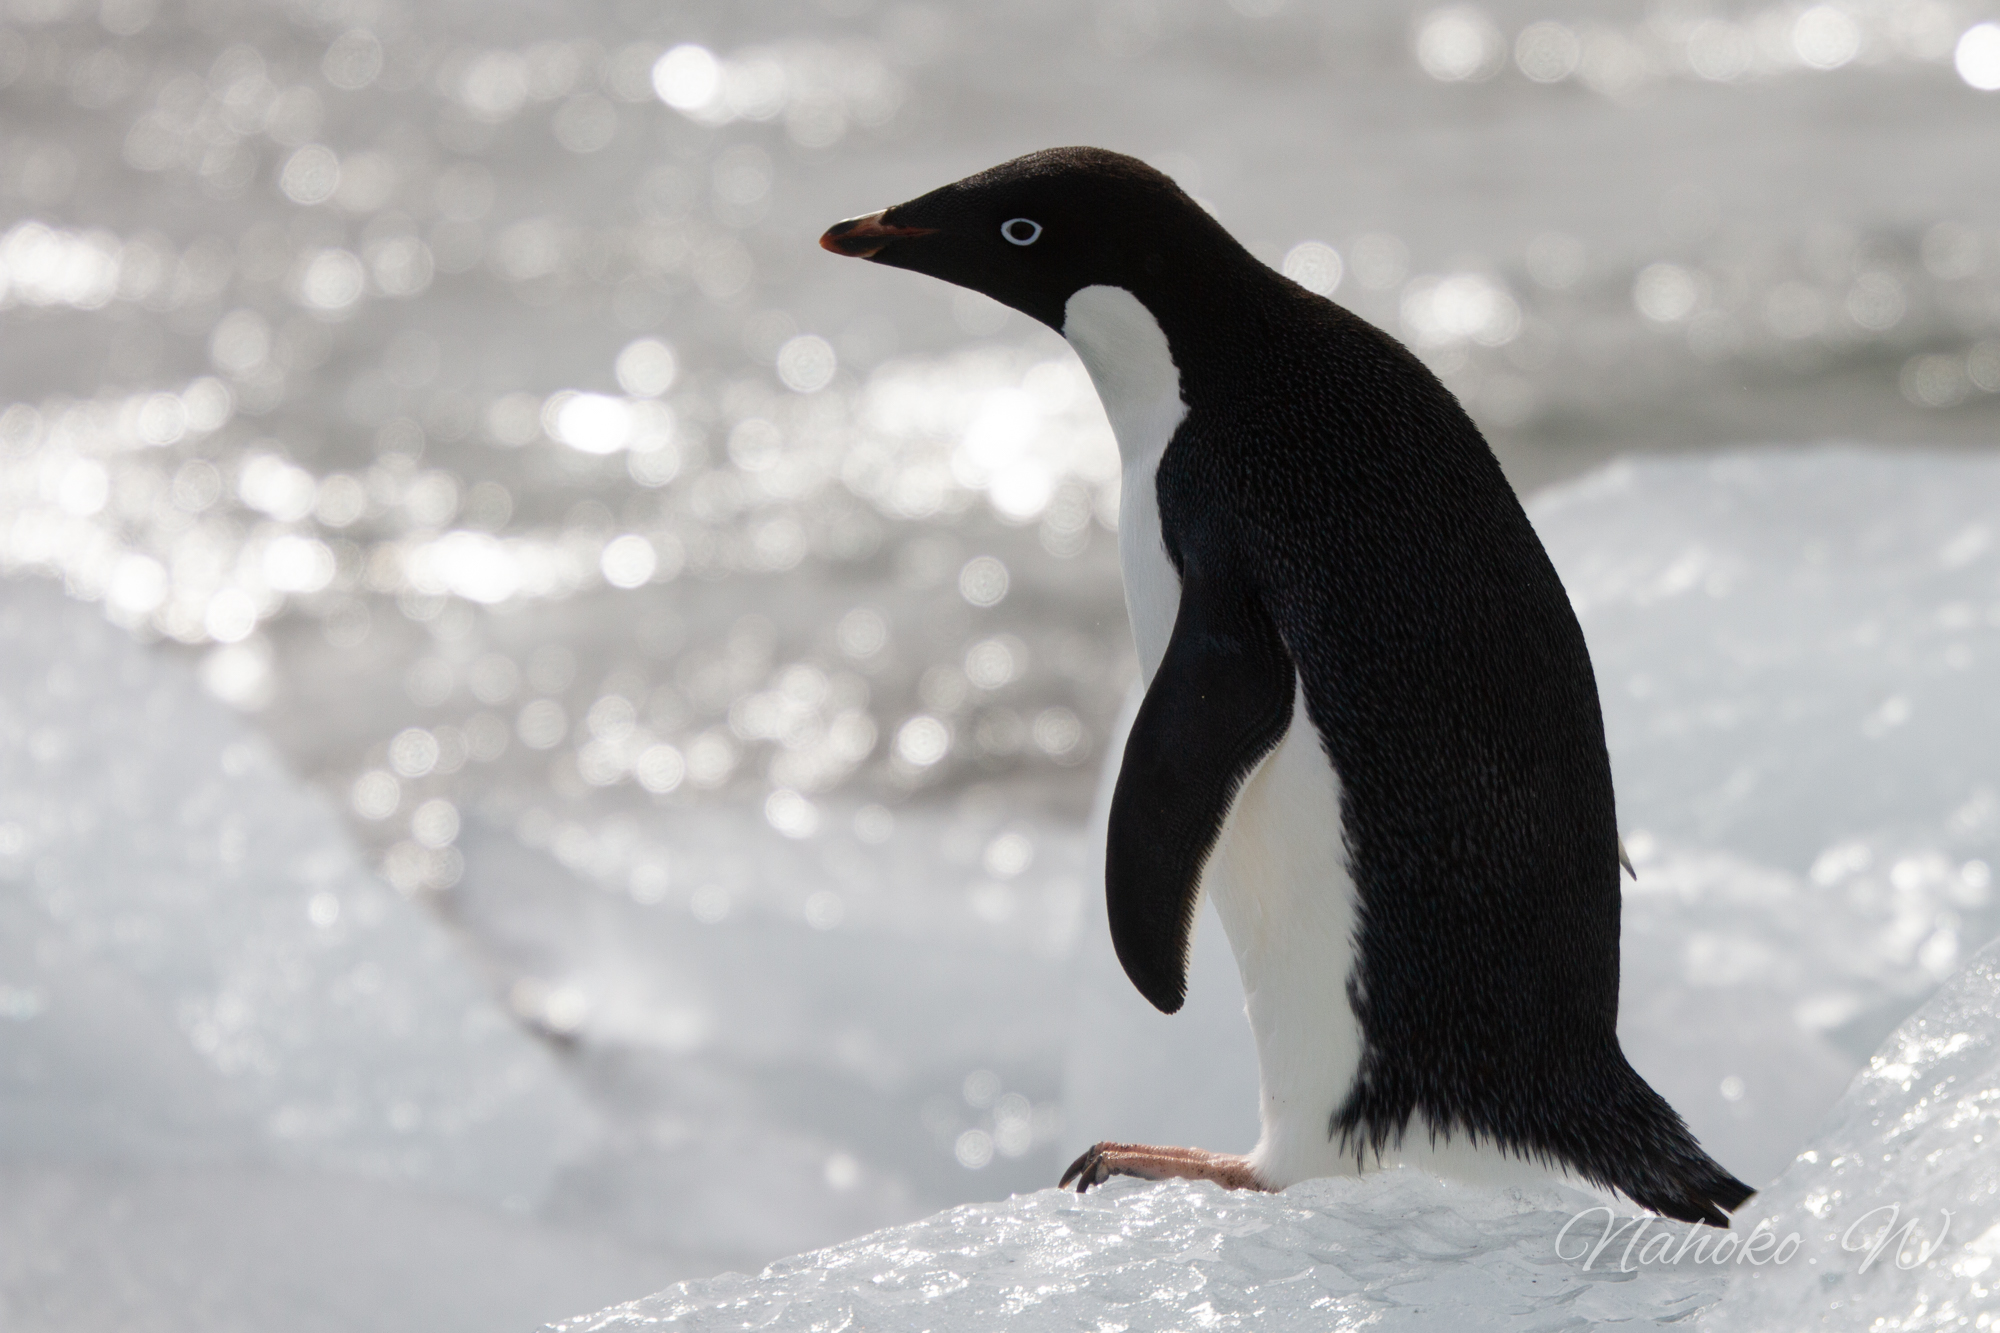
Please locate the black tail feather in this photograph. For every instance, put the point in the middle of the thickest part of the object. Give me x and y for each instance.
(1701, 1191)
(1651, 1157)
(1640, 1146)
(1596, 1119)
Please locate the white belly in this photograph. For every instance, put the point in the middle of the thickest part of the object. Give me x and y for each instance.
(1280, 884)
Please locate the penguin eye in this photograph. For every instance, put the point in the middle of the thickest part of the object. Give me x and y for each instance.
(1021, 231)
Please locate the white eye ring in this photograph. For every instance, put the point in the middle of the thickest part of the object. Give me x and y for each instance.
(1009, 227)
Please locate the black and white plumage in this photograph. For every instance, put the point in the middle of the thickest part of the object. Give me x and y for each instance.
(1370, 732)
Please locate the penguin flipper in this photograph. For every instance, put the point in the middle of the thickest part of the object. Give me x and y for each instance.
(1219, 703)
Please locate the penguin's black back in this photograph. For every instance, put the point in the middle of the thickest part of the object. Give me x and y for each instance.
(1448, 679)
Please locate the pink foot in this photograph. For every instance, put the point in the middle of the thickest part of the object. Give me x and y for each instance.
(1102, 1161)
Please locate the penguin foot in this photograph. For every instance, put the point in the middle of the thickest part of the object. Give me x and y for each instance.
(1102, 1161)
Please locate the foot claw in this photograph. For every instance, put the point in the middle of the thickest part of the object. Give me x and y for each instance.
(1087, 1170)
(1101, 1161)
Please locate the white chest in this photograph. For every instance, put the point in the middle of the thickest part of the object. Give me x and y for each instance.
(1126, 353)
(1278, 873)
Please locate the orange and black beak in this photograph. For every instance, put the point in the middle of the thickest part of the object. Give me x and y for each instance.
(864, 237)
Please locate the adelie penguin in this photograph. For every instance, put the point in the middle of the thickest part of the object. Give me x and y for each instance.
(1370, 731)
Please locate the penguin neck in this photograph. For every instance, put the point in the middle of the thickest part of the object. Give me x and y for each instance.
(1158, 351)
(1132, 365)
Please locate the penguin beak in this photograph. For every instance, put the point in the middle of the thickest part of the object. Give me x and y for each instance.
(864, 237)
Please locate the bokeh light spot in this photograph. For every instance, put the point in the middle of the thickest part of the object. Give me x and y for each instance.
(806, 363)
(1977, 57)
(1459, 44)
(1825, 37)
(311, 175)
(629, 561)
(646, 368)
(1547, 52)
(1665, 293)
(983, 581)
(923, 741)
(1315, 266)
(593, 423)
(688, 78)
(375, 795)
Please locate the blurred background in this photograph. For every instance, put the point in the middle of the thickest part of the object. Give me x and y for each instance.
(550, 725)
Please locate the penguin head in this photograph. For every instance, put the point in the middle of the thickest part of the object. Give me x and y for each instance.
(1032, 232)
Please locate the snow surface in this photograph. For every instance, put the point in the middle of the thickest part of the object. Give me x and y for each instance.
(1400, 1249)
(1827, 1245)
(171, 885)
(1754, 615)
(1907, 1147)
(242, 1082)
(1397, 1250)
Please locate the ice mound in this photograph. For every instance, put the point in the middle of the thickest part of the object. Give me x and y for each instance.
(780, 1058)
(1897, 1201)
(1890, 1220)
(242, 1082)
(195, 965)
(1396, 1250)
